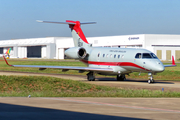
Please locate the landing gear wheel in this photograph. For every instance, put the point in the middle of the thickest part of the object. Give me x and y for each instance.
(90, 76)
(121, 77)
(150, 81)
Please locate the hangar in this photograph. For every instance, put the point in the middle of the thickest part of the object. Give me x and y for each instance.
(164, 46)
(30, 48)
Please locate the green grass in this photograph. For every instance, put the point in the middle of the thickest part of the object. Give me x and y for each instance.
(22, 86)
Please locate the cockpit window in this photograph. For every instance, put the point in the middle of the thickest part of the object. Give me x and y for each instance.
(153, 55)
(138, 55)
(146, 55)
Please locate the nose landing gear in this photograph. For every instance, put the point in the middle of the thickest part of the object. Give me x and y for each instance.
(151, 80)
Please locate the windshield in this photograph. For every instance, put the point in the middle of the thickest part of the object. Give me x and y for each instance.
(145, 56)
(153, 55)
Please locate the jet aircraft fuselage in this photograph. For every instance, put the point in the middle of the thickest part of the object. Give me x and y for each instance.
(122, 60)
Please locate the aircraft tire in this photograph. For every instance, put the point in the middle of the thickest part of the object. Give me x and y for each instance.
(150, 81)
(90, 78)
(121, 78)
(153, 81)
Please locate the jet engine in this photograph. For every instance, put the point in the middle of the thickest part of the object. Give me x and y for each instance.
(76, 53)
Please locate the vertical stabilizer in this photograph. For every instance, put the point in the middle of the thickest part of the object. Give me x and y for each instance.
(8, 53)
(77, 34)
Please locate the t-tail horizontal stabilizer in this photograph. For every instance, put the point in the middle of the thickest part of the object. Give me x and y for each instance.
(68, 22)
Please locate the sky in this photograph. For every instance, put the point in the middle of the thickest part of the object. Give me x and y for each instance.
(113, 17)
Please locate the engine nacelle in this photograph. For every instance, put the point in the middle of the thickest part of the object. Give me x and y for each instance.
(76, 53)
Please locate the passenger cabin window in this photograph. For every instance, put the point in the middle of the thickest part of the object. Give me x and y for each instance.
(118, 56)
(122, 56)
(138, 55)
(103, 55)
(107, 55)
(114, 56)
(98, 54)
(146, 55)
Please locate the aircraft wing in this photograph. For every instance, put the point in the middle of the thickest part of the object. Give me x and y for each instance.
(173, 63)
(65, 68)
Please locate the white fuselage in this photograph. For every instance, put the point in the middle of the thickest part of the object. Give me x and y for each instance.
(123, 60)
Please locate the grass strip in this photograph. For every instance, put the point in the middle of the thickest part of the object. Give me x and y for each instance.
(38, 86)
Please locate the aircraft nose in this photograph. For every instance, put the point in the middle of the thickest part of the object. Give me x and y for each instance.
(159, 68)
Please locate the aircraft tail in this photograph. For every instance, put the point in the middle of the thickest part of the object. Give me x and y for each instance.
(8, 51)
(77, 33)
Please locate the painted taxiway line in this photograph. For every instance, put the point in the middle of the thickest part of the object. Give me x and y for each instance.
(115, 105)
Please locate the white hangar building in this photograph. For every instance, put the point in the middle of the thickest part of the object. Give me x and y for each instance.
(164, 46)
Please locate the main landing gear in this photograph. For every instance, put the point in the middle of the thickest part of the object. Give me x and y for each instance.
(151, 80)
(90, 76)
(121, 77)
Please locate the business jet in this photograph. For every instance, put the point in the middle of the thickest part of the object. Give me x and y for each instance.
(7, 54)
(104, 60)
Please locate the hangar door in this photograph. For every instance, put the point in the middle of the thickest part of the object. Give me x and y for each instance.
(177, 53)
(34, 51)
(159, 54)
(168, 54)
(1, 50)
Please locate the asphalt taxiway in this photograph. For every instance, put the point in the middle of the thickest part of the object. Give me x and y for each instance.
(22, 108)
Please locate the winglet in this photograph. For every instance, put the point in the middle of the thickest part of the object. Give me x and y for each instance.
(173, 62)
(6, 61)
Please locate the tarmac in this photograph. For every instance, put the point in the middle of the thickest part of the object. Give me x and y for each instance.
(24, 108)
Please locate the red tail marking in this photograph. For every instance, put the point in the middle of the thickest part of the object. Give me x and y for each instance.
(173, 62)
(78, 30)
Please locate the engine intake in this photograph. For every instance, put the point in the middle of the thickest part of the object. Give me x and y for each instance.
(76, 53)
(82, 53)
